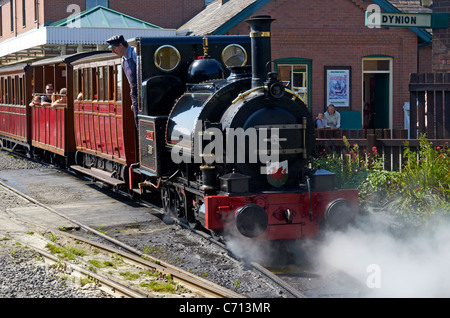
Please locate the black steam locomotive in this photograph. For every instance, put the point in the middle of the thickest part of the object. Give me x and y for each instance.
(232, 152)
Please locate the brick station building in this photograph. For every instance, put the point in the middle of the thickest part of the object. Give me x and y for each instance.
(36, 29)
(315, 44)
(318, 43)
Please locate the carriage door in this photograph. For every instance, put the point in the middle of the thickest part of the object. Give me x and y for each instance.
(377, 92)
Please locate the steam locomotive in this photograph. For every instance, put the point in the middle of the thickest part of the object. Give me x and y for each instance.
(223, 145)
(234, 151)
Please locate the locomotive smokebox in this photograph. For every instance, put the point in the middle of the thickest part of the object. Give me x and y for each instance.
(261, 48)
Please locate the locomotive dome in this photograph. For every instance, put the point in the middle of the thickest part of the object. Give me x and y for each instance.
(204, 69)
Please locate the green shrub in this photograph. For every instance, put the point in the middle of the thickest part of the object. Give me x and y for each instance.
(423, 184)
(416, 192)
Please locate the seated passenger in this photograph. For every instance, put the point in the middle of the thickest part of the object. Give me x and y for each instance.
(332, 118)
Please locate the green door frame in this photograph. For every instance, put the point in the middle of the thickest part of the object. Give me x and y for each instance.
(385, 75)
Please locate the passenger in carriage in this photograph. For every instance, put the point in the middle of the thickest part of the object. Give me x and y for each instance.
(47, 99)
(36, 100)
(62, 101)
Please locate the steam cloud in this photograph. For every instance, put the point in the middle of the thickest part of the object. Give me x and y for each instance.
(414, 264)
(387, 261)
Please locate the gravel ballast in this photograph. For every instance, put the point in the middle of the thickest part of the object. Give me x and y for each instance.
(24, 275)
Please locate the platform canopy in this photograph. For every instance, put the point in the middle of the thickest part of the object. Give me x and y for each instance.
(85, 31)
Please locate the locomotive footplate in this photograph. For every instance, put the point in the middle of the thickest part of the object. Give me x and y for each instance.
(98, 174)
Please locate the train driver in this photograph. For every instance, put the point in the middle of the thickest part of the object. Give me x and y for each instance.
(120, 47)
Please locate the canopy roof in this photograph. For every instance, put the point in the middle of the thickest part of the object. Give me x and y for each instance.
(101, 17)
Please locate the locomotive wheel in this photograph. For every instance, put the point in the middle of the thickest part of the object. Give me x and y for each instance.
(168, 201)
(79, 158)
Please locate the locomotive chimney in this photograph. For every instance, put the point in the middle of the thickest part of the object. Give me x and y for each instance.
(260, 41)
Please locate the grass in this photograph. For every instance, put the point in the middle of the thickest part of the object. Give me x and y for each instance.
(67, 253)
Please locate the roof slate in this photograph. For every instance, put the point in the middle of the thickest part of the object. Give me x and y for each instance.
(216, 15)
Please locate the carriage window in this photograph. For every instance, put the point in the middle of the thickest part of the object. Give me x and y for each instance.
(234, 55)
(1, 90)
(119, 83)
(76, 86)
(94, 83)
(167, 58)
(13, 91)
(85, 85)
(105, 83)
(5, 90)
(21, 91)
(101, 82)
(111, 82)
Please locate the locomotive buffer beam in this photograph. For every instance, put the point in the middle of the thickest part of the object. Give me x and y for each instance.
(98, 174)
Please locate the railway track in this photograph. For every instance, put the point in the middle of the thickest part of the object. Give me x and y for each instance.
(282, 280)
(64, 243)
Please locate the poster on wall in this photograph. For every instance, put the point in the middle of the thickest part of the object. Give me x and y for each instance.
(337, 85)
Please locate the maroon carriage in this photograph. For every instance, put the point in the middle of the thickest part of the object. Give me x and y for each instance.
(15, 87)
(103, 120)
(52, 132)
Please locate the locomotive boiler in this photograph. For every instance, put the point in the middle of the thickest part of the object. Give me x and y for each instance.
(232, 152)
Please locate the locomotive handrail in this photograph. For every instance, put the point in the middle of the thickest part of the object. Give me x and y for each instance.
(244, 94)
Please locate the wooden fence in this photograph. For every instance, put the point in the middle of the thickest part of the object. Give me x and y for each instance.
(429, 114)
(389, 143)
(430, 105)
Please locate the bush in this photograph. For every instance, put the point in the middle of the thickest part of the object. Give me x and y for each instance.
(423, 184)
(419, 190)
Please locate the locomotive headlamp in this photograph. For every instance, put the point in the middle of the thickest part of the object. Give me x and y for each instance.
(276, 90)
(274, 87)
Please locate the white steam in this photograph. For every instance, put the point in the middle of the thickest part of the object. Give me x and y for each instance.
(389, 265)
(386, 261)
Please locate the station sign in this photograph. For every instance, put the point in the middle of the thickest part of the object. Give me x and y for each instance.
(410, 20)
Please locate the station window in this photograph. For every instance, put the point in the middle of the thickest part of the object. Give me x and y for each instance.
(93, 3)
(296, 74)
